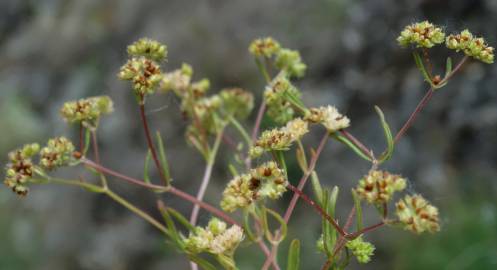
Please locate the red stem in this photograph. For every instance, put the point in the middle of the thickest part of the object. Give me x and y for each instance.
(357, 143)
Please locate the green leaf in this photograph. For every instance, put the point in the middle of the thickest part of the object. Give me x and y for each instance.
(421, 67)
(283, 227)
(246, 226)
(146, 176)
(448, 67)
(301, 158)
(358, 210)
(180, 218)
(316, 186)
(387, 154)
(87, 141)
(163, 158)
(351, 145)
(329, 232)
(171, 228)
(204, 264)
(294, 255)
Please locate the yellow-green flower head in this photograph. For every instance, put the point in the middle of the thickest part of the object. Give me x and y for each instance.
(145, 75)
(148, 48)
(57, 153)
(362, 250)
(237, 102)
(279, 139)
(87, 111)
(423, 34)
(291, 62)
(177, 80)
(329, 117)
(266, 47)
(471, 46)
(205, 113)
(215, 238)
(265, 181)
(20, 168)
(379, 186)
(417, 215)
(198, 89)
(276, 96)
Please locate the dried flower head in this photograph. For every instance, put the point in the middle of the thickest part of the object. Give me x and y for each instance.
(87, 111)
(215, 238)
(362, 250)
(20, 168)
(379, 186)
(276, 96)
(266, 47)
(329, 117)
(237, 102)
(423, 34)
(417, 215)
(57, 153)
(471, 46)
(148, 48)
(291, 62)
(279, 139)
(265, 181)
(145, 75)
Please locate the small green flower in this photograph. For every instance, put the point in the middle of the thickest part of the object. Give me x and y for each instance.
(379, 186)
(87, 111)
(291, 62)
(471, 46)
(145, 75)
(276, 96)
(237, 102)
(215, 238)
(148, 48)
(417, 215)
(266, 47)
(329, 117)
(20, 168)
(362, 250)
(423, 34)
(57, 153)
(265, 181)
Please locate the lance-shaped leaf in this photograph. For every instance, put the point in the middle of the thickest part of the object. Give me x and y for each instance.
(329, 232)
(163, 159)
(294, 255)
(387, 154)
(421, 67)
(265, 225)
(351, 145)
(358, 210)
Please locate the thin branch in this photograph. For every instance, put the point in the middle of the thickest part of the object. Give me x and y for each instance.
(357, 143)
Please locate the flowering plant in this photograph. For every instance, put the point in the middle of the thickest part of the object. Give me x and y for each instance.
(253, 186)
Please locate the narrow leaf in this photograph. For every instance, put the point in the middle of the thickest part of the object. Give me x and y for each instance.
(180, 218)
(146, 176)
(358, 210)
(283, 227)
(204, 264)
(348, 143)
(448, 67)
(294, 255)
(163, 158)
(316, 186)
(246, 226)
(387, 154)
(421, 67)
(87, 140)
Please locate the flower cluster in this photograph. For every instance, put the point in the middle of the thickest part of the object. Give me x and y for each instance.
(266, 47)
(265, 181)
(145, 75)
(362, 250)
(379, 186)
(178, 80)
(20, 168)
(329, 117)
(417, 215)
(423, 34)
(237, 102)
(148, 48)
(291, 62)
(279, 139)
(87, 111)
(471, 46)
(277, 96)
(57, 153)
(215, 238)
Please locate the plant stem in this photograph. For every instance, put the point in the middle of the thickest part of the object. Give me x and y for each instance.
(241, 130)
(357, 143)
(295, 198)
(151, 144)
(207, 176)
(97, 155)
(81, 141)
(365, 230)
(255, 130)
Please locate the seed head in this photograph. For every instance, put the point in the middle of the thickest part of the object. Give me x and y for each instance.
(20, 168)
(87, 111)
(145, 75)
(148, 48)
(57, 153)
(379, 186)
(417, 215)
(329, 117)
(266, 47)
(422, 35)
(475, 47)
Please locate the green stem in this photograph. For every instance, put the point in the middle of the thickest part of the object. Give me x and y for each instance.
(241, 130)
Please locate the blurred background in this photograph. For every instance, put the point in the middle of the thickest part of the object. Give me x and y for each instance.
(52, 51)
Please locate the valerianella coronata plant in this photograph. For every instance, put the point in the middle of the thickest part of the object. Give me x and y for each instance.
(209, 115)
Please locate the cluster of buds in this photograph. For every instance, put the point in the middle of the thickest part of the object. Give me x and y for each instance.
(237, 102)
(362, 250)
(148, 48)
(87, 111)
(422, 35)
(57, 153)
(264, 47)
(276, 97)
(279, 139)
(475, 47)
(329, 117)
(291, 62)
(216, 238)
(143, 69)
(20, 168)
(178, 80)
(265, 181)
(379, 186)
(205, 113)
(417, 215)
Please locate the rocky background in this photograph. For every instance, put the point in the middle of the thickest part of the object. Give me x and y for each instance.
(52, 51)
